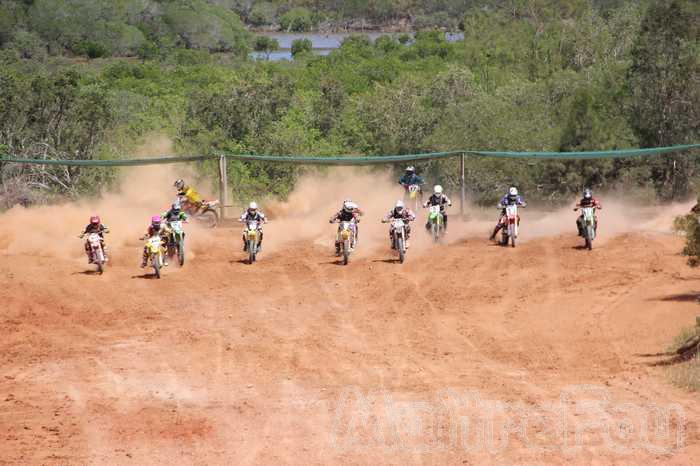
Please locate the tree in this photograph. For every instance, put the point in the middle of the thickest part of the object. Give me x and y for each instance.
(301, 47)
(296, 20)
(266, 45)
(663, 80)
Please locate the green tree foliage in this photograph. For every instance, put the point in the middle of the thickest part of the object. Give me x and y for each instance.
(54, 115)
(266, 45)
(530, 75)
(296, 20)
(664, 80)
(301, 47)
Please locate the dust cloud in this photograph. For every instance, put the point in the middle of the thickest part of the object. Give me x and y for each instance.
(52, 231)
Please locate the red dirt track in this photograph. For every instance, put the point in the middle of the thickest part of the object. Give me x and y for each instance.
(297, 360)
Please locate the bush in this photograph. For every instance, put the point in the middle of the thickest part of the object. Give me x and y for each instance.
(27, 45)
(301, 47)
(90, 48)
(262, 14)
(688, 225)
(296, 20)
(266, 45)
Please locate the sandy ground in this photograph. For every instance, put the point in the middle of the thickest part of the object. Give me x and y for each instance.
(468, 353)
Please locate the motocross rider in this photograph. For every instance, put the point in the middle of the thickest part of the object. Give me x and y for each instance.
(95, 226)
(188, 195)
(253, 214)
(175, 214)
(350, 212)
(511, 198)
(587, 201)
(410, 178)
(400, 211)
(156, 228)
(439, 199)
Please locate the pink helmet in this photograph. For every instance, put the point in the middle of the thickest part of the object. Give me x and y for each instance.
(95, 219)
(155, 219)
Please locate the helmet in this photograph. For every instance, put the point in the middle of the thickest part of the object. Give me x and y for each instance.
(411, 169)
(95, 220)
(179, 184)
(155, 220)
(253, 206)
(513, 191)
(399, 205)
(587, 194)
(437, 189)
(348, 205)
(176, 205)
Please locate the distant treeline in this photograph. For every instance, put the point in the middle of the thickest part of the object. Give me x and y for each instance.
(529, 75)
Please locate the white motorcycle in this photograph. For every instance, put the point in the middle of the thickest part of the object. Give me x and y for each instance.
(345, 241)
(509, 231)
(398, 238)
(589, 225)
(96, 252)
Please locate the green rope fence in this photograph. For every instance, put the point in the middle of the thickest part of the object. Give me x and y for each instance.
(349, 160)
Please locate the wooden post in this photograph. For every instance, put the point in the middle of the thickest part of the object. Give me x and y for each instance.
(461, 185)
(223, 187)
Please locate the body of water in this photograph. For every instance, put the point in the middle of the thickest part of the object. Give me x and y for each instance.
(323, 44)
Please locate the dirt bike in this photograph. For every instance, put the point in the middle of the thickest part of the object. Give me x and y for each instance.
(252, 240)
(435, 219)
(176, 241)
(154, 249)
(205, 214)
(509, 231)
(345, 241)
(398, 238)
(414, 196)
(97, 255)
(589, 226)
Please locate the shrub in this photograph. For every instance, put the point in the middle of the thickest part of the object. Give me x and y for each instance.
(301, 47)
(296, 20)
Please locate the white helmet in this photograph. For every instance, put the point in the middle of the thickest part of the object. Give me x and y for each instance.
(252, 206)
(513, 191)
(587, 194)
(437, 189)
(348, 205)
(399, 205)
(411, 169)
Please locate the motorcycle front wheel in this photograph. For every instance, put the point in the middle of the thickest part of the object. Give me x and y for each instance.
(156, 266)
(251, 251)
(402, 250)
(589, 235)
(346, 252)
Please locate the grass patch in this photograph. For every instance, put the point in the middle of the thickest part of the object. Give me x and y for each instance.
(686, 374)
(681, 338)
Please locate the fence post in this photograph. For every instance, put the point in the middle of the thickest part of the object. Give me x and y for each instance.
(223, 187)
(461, 185)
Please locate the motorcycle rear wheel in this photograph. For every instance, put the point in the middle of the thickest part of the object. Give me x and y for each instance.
(209, 218)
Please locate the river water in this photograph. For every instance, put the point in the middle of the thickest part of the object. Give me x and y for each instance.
(323, 44)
